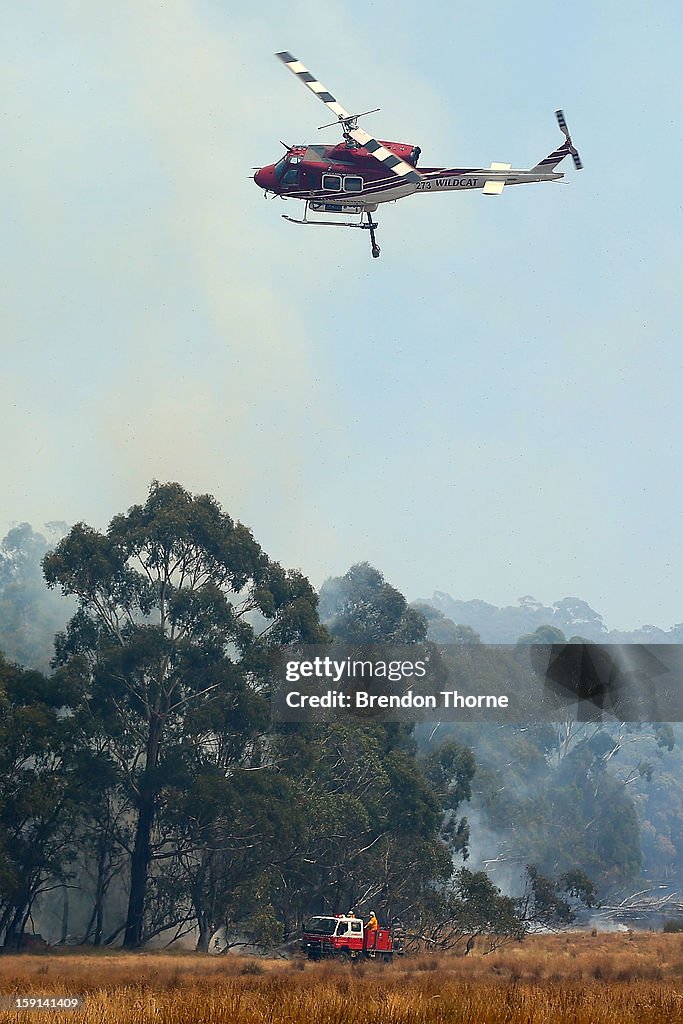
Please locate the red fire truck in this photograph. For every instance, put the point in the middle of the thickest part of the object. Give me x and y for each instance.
(348, 939)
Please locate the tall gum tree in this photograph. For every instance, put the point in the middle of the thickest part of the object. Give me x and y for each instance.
(178, 612)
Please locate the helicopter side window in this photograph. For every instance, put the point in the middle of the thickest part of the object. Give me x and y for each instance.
(332, 182)
(353, 183)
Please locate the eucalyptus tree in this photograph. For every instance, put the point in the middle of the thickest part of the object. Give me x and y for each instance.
(179, 612)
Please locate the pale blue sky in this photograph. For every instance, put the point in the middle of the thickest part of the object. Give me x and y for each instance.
(491, 409)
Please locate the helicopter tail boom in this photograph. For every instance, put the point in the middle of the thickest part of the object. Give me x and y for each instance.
(550, 162)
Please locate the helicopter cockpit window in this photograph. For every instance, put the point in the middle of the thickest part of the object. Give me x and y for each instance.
(353, 183)
(280, 168)
(291, 176)
(332, 182)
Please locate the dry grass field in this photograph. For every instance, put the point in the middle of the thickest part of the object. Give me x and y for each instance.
(574, 978)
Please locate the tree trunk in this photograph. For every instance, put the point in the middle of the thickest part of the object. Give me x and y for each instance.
(15, 929)
(205, 933)
(104, 854)
(142, 852)
(205, 923)
(99, 919)
(139, 867)
(64, 934)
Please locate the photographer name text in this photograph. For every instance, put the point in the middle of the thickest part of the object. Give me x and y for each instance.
(362, 699)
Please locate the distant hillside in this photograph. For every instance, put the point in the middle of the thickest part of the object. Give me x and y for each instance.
(572, 615)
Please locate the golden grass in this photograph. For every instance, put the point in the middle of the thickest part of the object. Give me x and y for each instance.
(561, 979)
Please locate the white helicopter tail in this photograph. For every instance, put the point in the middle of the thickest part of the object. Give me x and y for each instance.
(550, 162)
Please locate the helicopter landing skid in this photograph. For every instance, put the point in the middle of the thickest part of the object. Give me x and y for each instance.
(330, 223)
(370, 226)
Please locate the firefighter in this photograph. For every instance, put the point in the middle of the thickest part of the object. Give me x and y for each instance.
(351, 913)
(372, 927)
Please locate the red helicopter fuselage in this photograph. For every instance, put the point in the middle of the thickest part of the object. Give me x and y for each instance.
(341, 172)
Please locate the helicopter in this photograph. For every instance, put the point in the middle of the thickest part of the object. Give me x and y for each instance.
(352, 178)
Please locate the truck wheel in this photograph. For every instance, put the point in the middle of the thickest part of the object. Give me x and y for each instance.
(387, 958)
(344, 956)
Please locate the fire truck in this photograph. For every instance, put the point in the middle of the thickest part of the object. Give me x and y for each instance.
(347, 938)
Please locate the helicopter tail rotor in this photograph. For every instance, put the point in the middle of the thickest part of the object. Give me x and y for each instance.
(559, 114)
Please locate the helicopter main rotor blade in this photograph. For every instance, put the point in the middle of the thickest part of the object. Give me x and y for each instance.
(317, 88)
(394, 163)
(348, 121)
